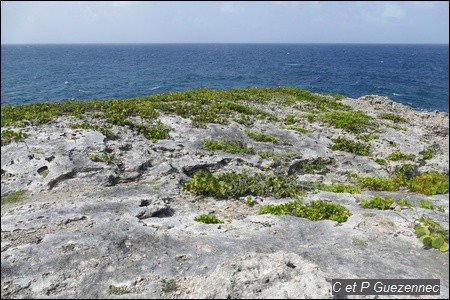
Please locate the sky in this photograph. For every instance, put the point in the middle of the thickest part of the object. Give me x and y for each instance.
(41, 22)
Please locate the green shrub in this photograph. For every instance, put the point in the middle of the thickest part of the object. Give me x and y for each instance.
(208, 219)
(237, 185)
(169, 286)
(427, 204)
(265, 154)
(343, 144)
(378, 183)
(350, 121)
(380, 161)
(13, 197)
(296, 128)
(429, 183)
(104, 157)
(261, 137)
(402, 202)
(340, 188)
(398, 155)
(315, 211)
(114, 290)
(289, 120)
(432, 234)
(377, 202)
(368, 137)
(394, 118)
(249, 201)
(233, 147)
(8, 136)
(427, 153)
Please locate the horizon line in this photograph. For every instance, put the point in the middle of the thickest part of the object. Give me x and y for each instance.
(224, 43)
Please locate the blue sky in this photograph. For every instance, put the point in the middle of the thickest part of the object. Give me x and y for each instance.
(224, 22)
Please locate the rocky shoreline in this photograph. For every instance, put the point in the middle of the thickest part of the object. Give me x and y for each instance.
(105, 214)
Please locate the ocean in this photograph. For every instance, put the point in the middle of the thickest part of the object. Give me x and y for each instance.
(416, 75)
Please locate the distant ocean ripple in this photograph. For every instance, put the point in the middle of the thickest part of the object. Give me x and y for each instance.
(417, 75)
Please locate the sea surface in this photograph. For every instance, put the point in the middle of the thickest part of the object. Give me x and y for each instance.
(416, 75)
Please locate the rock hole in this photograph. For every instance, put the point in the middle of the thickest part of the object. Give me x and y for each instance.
(291, 265)
(163, 213)
(49, 159)
(43, 171)
(144, 203)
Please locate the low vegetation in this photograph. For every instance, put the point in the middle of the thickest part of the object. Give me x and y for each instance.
(13, 197)
(358, 148)
(208, 219)
(315, 211)
(169, 286)
(261, 137)
(398, 155)
(393, 117)
(114, 290)
(377, 202)
(11, 135)
(234, 147)
(350, 121)
(432, 234)
(429, 183)
(103, 157)
(235, 185)
(427, 154)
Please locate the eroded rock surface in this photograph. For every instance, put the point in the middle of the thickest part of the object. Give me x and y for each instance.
(125, 228)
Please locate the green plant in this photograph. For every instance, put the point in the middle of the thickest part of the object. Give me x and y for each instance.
(380, 161)
(402, 202)
(427, 153)
(114, 290)
(393, 117)
(350, 121)
(104, 157)
(236, 185)
(233, 147)
(377, 202)
(398, 155)
(318, 165)
(427, 204)
(296, 128)
(208, 219)
(432, 234)
(169, 286)
(368, 137)
(249, 201)
(265, 154)
(359, 242)
(8, 136)
(261, 137)
(289, 120)
(377, 183)
(340, 188)
(315, 211)
(350, 146)
(429, 183)
(440, 208)
(13, 197)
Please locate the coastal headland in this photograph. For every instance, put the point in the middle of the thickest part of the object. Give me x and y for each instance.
(246, 193)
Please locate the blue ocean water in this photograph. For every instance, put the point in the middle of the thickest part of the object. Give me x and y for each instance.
(417, 75)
